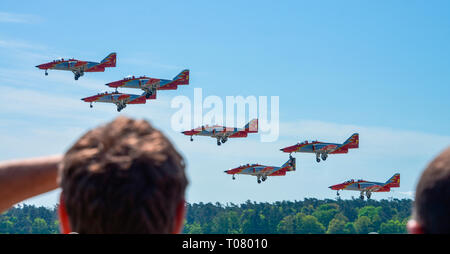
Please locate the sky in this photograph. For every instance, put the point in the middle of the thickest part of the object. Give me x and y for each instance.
(379, 68)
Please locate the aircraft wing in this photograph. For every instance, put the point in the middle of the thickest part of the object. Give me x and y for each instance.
(373, 187)
(238, 134)
(265, 171)
(151, 83)
(220, 131)
(324, 147)
(383, 189)
(169, 85)
(280, 172)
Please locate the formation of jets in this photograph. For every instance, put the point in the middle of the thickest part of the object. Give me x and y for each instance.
(321, 149)
(146, 84)
(150, 86)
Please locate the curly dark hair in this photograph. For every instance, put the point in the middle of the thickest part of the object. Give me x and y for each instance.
(123, 177)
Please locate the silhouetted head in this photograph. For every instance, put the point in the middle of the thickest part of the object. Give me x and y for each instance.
(432, 201)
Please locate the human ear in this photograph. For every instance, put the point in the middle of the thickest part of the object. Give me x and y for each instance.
(179, 217)
(64, 223)
(414, 227)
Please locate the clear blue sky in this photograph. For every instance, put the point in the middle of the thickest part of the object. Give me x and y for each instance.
(380, 68)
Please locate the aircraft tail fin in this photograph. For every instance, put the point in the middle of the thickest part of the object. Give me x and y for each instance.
(394, 181)
(252, 126)
(352, 141)
(182, 78)
(110, 60)
(290, 164)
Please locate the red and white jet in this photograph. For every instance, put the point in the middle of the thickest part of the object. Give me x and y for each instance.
(79, 67)
(262, 172)
(368, 187)
(322, 149)
(222, 133)
(151, 85)
(120, 99)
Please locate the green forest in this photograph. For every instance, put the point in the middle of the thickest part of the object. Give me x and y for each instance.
(310, 216)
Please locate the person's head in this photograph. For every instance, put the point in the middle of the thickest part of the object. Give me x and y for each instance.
(123, 177)
(432, 202)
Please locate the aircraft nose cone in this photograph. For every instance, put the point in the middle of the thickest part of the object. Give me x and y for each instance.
(89, 99)
(113, 84)
(336, 187)
(188, 133)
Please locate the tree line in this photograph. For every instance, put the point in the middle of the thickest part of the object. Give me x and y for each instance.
(310, 216)
(29, 219)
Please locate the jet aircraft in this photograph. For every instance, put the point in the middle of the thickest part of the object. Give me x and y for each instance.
(222, 133)
(368, 187)
(150, 85)
(322, 149)
(79, 67)
(120, 99)
(261, 171)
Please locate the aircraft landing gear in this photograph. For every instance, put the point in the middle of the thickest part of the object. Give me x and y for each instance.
(46, 73)
(259, 181)
(324, 156)
(224, 140)
(318, 157)
(361, 196)
(291, 161)
(120, 107)
(90, 105)
(337, 193)
(218, 142)
(149, 92)
(78, 74)
(192, 139)
(264, 178)
(368, 195)
(234, 178)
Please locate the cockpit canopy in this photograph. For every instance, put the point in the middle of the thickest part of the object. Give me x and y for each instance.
(305, 142)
